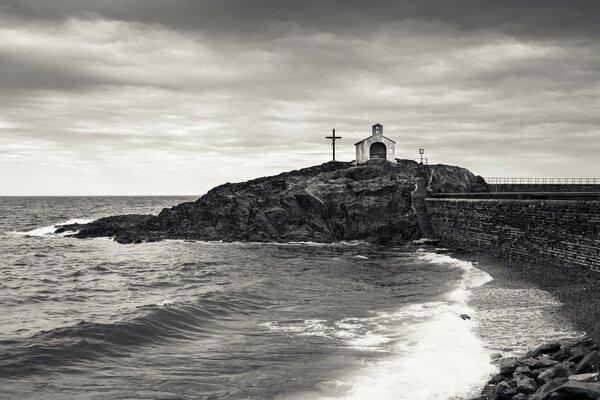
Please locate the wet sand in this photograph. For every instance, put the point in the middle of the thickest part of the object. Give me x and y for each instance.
(577, 288)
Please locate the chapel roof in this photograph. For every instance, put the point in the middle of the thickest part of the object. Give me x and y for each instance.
(387, 138)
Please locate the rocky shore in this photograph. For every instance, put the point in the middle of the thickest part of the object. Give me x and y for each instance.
(567, 370)
(331, 202)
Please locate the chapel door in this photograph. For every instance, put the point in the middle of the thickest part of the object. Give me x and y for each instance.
(377, 151)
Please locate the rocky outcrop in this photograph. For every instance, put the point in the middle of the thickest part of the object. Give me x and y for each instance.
(557, 371)
(330, 202)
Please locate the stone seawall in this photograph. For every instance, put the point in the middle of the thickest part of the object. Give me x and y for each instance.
(519, 187)
(559, 232)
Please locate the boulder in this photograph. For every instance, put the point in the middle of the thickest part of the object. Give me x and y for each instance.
(523, 370)
(576, 355)
(545, 348)
(508, 366)
(539, 363)
(526, 385)
(556, 371)
(569, 352)
(590, 363)
(589, 377)
(564, 389)
(504, 391)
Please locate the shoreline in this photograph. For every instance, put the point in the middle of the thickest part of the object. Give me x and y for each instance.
(575, 287)
(559, 368)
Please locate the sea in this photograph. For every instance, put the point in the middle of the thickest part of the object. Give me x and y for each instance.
(94, 319)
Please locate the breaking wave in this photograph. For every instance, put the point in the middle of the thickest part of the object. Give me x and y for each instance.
(433, 352)
(46, 231)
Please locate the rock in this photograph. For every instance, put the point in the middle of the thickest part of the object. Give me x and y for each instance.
(535, 373)
(550, 347)
(569, 353)
(563, 388)
(523, 369)
(590, 363)
(541, 362)
(465, 316)
(504, 391)
(576, 355)
(589, 377)
(557, 371)
(546, 348)
(508, 366)
(488, 391)
(526, 385)
(519, 396)
(495, 356)
(331, 202)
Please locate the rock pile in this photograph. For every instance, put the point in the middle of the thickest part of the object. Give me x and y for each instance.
(553, 371)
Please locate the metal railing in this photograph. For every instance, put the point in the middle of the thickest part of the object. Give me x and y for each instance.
(543, 181)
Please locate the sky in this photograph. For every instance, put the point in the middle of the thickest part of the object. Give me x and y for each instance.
(155, 97)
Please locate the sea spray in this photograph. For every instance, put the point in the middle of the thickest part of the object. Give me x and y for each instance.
(47, 231)
(437, 355)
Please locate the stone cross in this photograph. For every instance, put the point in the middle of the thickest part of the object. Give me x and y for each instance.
(333, 139)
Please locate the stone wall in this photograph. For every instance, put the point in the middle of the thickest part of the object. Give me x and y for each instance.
(560, 232)
(512, 187)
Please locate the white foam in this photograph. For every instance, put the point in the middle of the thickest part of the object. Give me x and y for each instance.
(49, 230)
(164, 303)
(435, 354)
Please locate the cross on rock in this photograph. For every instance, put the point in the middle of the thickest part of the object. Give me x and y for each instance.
(333, 139)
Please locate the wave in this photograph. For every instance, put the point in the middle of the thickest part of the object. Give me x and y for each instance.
(435, 354)
(158, 323)
(46, 231)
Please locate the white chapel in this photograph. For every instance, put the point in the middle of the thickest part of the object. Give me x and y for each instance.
(376, 147)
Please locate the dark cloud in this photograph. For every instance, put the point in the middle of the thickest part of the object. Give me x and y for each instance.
(555, 18)
(128, 94)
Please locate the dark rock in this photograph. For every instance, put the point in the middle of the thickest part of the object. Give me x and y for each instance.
(569, 353)
(590, 363)
(536, 372)
(576, 355)
(550, 347)
(326, 203)
(508, 366)
(546, 348)
(567, 389)
(526, 385)
(465, 316)
(523, 369)
(519, 396)
(557, 371)
(539, 363)
(504, 391)
(488, 391)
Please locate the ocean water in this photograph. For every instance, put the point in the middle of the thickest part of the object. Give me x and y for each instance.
(93, 319)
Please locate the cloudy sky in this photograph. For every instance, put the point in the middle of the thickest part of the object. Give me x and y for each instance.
(175, 97)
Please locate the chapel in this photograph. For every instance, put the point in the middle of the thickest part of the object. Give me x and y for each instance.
(376, 147)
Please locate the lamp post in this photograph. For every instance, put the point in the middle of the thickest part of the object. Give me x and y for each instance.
(421, 152)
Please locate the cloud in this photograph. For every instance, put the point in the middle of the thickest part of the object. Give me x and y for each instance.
(128, 95)
(257, 18)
